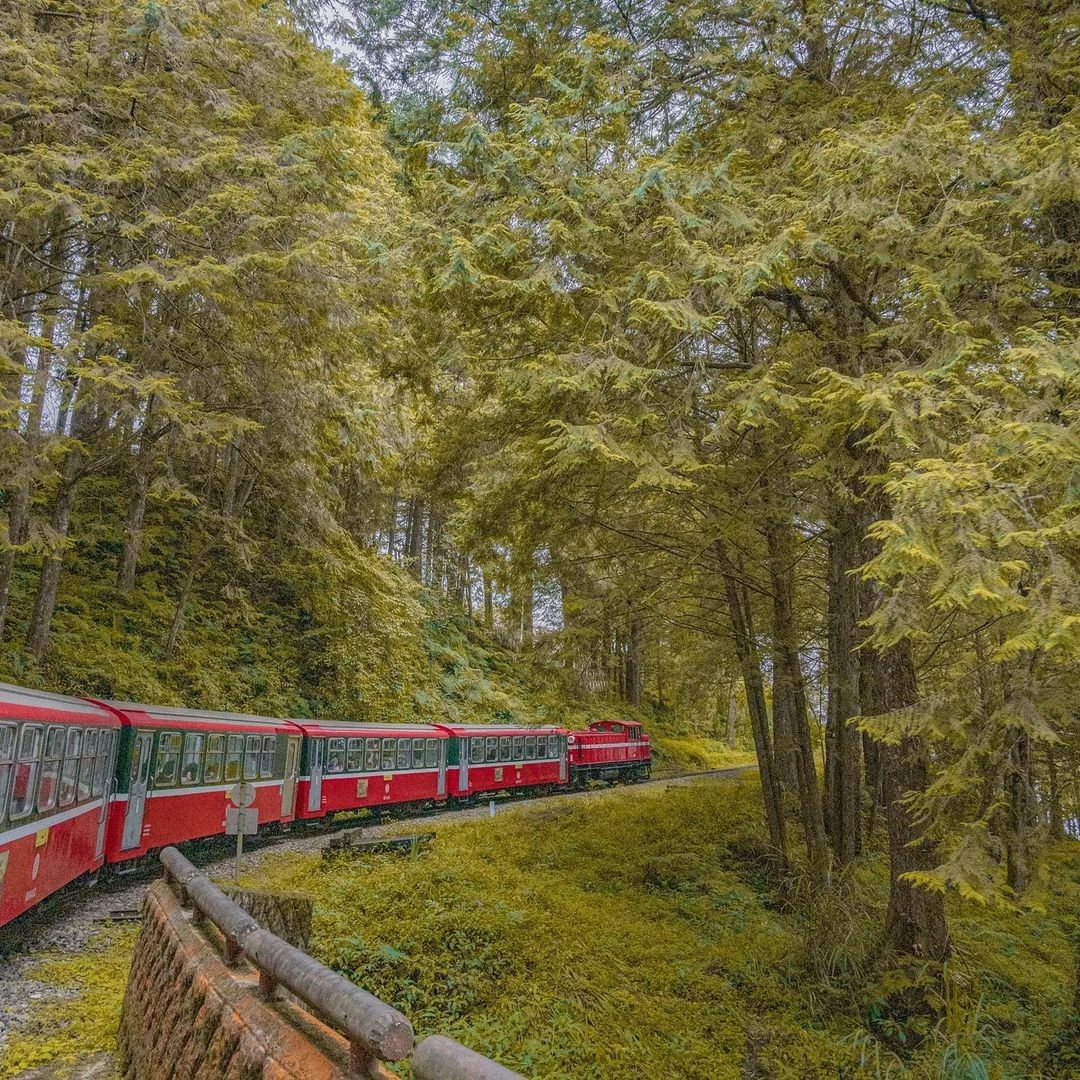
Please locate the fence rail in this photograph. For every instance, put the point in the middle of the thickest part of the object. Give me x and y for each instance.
(376, 1032)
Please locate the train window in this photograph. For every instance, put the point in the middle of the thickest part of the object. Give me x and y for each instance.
(519, 747)
(431, 753)
(70, 773)
(491, 748)
(389, 751)
(215, 759)
(234, 758)
(89, 758)
(504, 747)
(335, 755)
(530, 747)
(371, 755)
(266, 766)
(403, 748)
(418, 753)
(24, 783)
(476, 750)
(167, 763)
(356, 755)
(191, 766)
(49, 783)
(541, 746)
(252, 745)
(553, 746)
(104, 763)
(7, 756)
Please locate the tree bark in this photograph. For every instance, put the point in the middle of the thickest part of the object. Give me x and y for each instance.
(742, 628)
(789, 689)
(915, 921)
(633, 662)
(843, 763)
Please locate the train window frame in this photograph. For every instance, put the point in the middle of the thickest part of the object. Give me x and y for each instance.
(234, 757)
(505, 748)
(8, 734)
(212, 773)
(404, 753)
(104, 763)
(192, 754)
(88, 762)
(354, 755)
(372, 751)
(169, 746)
(51, 756)
(388, 755)
(69, 772)
(553, 746)
(335, 756)
(530, 747)
(31, 760)
(266, 761)
(476, 750)
(491, 748)
(431, 753)
(518, 748)
(252, 751)
(418, 753)
(541, 746)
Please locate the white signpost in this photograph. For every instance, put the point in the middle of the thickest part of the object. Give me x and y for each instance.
(240, 821)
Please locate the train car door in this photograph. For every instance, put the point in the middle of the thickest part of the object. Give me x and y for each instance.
(441, 789)
(463, 748)
(107, 751)
(318, 747)
(562, 759)
(288, 785)
(137, 782)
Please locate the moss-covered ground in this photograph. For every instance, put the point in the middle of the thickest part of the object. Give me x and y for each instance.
(83, 1022)
(634, 933)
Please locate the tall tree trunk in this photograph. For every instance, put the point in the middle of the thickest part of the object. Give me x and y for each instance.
(391, 529)
(489, 602)
(136, 512)
(915, 922)
(790, 689)
(414, 536)
(633, 661)
(742, 627)
(843, 766)
(37, 634)
(732, 705)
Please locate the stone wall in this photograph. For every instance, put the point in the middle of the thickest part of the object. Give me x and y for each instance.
(187, 1015)
(286, 914)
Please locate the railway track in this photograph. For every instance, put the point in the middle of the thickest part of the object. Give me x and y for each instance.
(117, 896)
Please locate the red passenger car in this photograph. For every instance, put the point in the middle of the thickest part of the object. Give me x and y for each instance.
(487, 758)
(610, 750)
(56, 773)
(176, 767)
(347, 766)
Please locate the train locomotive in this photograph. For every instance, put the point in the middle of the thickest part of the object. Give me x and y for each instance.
(89, 785)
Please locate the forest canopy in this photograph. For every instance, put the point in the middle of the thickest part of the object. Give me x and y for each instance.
(719, 360)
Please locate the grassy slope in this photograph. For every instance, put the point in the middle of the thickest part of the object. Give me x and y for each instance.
(631, 934)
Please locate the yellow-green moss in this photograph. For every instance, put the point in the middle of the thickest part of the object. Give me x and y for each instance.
(63, 1031)
(633, 934)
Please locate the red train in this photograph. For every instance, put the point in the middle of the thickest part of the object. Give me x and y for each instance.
(85, 784)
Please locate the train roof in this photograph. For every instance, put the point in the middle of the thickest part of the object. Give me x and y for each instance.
(18, 703)
(165, 714)
(501, 729)
(365, 727)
